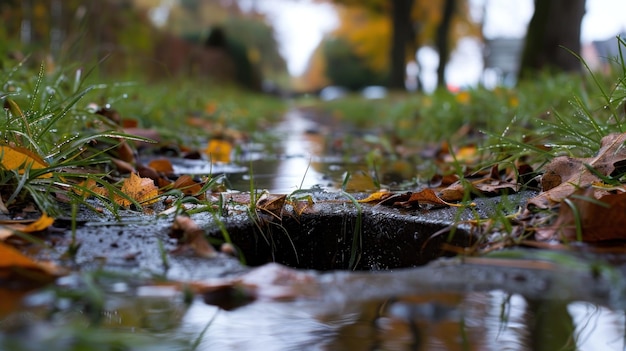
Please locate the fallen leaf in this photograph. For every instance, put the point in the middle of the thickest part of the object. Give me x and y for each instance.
(139, 189)
(564, 175)
(190, 235)
(162, 165)
(598, 219)
(218, 150)
(187, 185)
(425, 196)
(271, 204)
(494, 186)
(377, 196)
(41, 224)
(9, 228)
(16, 266)
(453, 192)
(21, 159)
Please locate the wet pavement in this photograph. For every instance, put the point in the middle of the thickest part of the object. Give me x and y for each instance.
(332, 275)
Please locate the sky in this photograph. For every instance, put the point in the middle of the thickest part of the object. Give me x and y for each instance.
(301, 24)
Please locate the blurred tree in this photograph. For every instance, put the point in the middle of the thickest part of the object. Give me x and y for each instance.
(442, 40)
(392, 30)
(249, 38)
(345, 68)
(314, 78)
(120, 30)
(554, 27)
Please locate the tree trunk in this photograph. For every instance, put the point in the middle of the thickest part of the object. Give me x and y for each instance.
(402, 34)
(554, 27)
(443, 41)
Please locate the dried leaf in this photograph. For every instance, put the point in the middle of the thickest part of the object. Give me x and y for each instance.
(599, 220)
(219, 150)
(494, 186)
(187, 185)
(272, 204)
(10, 227)
(20, 159)
(454, 192)
(41, 224)
(14, 265)
(426, 196)
(190, 235)
(377, 196)
(139, 189)
(162, 165)
(573, 173)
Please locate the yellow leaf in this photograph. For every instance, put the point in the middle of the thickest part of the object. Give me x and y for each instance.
(19, 158)
(42, 223)
(219, 150)
(139, 189)
(8, 228)
(377, 196)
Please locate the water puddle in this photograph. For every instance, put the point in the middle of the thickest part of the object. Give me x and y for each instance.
(303, 157)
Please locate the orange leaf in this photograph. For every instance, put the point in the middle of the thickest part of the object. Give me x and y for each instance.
(83, 188)
(162, 165)
(377, 196)
(187, 185)
(139, 189)
(41, 224)
(19, 158)
(218, 150)
(10, 227)
(13, 264)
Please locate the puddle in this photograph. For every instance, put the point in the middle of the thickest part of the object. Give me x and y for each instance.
(304, 158)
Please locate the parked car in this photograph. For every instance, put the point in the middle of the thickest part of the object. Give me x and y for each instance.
(374, 92)
(333, 92)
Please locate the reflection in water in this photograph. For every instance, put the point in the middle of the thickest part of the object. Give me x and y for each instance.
(446, 321)
(300, 148)
(292, 168)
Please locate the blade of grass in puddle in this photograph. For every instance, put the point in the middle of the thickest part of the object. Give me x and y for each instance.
(357, 238)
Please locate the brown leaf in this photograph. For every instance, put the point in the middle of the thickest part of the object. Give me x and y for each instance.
(187, 185)
(190, 235)
(426, 196)
(493, 186)
(454, 192)
(272, 204)
(600, 220)
(572, 173)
